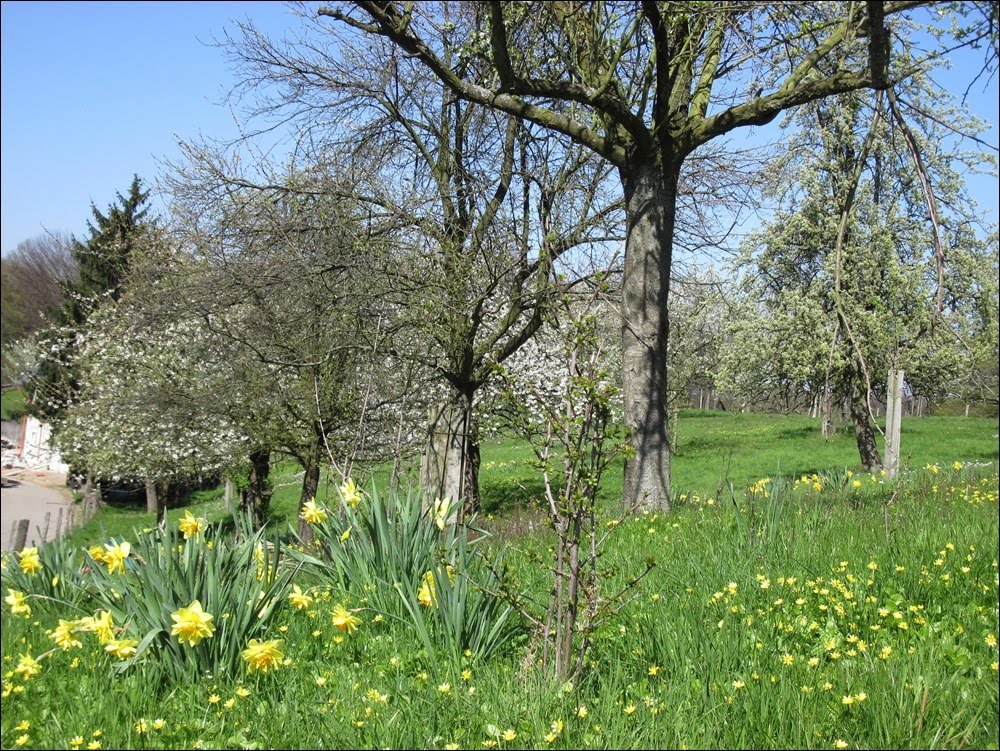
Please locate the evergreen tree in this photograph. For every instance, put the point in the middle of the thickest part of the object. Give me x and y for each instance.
(104, 257)
(103, 260)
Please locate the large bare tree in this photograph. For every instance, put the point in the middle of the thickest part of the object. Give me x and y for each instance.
(645, 85)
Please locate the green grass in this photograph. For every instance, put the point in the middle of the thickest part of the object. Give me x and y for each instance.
(717, 451)
(843, 610)
(12, 404)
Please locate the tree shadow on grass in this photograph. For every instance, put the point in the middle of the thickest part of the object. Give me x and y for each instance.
(505, 494)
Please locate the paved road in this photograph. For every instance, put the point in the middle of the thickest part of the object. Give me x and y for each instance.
(22, 499)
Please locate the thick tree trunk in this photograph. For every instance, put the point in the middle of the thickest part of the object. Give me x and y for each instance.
(450, 464)
(310, 484)
(864, 432)
(650, 205)
(256, 496)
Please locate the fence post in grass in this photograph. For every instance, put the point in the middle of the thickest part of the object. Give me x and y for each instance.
(893, 418)
(20, 535)
(45, 529)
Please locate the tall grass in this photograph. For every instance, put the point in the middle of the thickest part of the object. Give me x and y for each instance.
(820, 609)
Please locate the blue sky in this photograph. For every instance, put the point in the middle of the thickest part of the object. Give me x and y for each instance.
(94, 92)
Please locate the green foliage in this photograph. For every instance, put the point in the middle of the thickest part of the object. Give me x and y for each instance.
(241, 583)
(103, 260)
(388, 551)
(59, 583)
(716, 650)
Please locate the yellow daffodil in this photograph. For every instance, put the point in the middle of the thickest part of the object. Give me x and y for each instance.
(18, 604)
(440, 511)
(344, 620)
(123, 649)
(27, 666)
(115, 555)
(63, 636)
(28, 560)
(350, 493)
(426, 594)
(103, 625)
(313, 513)
(263, 655)
(192, 624)
(191, 525)
(299, 599)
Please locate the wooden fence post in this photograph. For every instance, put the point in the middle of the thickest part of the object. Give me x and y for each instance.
(20, 535)
(893, 418)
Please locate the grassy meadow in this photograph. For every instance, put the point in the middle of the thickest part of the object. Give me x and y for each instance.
(793, 602)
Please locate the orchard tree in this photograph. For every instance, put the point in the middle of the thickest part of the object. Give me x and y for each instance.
(281, 275)
(849, 280)
(479, 212)
(645, 85)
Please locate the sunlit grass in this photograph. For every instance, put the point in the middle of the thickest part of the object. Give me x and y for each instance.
(815, 608)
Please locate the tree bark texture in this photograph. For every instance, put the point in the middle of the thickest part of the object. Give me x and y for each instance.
(651, 204)
(864, 432)
(449, 467)
(256, 496)
(310, 484)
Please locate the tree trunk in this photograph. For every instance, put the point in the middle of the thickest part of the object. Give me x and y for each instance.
(310, 484)
(256, 496)
(152, 502)
(650, 206)
(164, 492)
(864, 432)
(450, 464)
